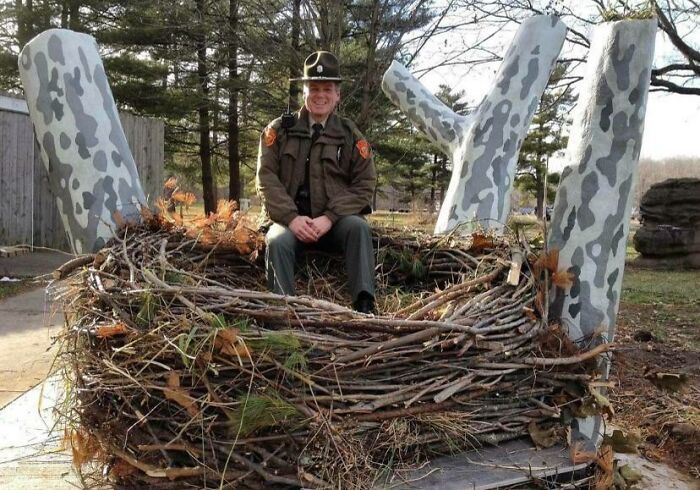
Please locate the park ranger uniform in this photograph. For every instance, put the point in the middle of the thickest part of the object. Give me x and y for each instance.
(339, 181)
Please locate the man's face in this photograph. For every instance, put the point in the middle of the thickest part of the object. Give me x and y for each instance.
(320, 98)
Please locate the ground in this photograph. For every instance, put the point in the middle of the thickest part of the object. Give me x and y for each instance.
(658, 334)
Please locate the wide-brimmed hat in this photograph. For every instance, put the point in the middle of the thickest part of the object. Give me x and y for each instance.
(321, 66)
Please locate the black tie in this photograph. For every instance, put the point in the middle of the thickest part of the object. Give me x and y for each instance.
(303, 197)
(317, 128)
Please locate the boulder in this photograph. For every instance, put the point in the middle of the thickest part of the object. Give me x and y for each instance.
(670, 232)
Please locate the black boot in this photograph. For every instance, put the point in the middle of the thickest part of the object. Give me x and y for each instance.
(364, 303)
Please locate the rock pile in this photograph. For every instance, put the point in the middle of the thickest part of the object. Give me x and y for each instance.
(670, 232)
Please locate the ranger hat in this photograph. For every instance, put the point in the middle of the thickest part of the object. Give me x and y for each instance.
(321, 66)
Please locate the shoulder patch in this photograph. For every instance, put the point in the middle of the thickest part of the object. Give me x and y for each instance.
(364, 148)
(270, 136)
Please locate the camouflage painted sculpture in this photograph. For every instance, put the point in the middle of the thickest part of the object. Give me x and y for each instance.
(592, 209)
(91, 169)
(591, 219)
(483, 146)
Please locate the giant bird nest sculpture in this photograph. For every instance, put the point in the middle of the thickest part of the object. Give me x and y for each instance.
(183, 371)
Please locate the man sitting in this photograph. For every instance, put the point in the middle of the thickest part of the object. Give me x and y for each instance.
(316, 177)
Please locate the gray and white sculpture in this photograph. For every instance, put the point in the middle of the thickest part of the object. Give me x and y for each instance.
(590, 224)
(91, 169)
(591, 219)
(483, 146)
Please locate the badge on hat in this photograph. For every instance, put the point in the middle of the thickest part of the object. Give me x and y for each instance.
(321, 66)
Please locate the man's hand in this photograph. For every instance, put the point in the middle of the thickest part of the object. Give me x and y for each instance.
(304, 229)
(322, 224)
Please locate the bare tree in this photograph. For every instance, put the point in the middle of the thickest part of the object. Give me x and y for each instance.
(678, 19)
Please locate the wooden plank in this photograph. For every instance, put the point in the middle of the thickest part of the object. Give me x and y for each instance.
(15, 180)
(28, 209)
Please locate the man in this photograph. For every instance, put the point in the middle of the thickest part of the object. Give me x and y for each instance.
(316, 178)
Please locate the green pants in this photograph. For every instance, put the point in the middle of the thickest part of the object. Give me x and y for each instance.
(350, 235)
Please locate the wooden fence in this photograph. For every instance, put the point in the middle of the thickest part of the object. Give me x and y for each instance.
(28, 209)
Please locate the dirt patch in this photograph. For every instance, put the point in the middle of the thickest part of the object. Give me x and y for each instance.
(659, 338)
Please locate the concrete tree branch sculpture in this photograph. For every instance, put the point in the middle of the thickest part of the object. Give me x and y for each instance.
(483, 146)
(91, 169)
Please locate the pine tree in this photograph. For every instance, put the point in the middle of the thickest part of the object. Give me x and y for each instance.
(546, 137)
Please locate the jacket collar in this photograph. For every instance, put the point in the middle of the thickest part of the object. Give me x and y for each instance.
(332, 129)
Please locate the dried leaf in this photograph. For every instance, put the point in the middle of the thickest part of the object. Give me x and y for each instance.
(84, 446)
(106, 331)
(225, 210)
(229, 343)
(121, 469)
(579, 454)
(118, 219)
(180, 395)
(548, 260)
(563, 279)
(186, 198)
(543, 438)
(480, 242)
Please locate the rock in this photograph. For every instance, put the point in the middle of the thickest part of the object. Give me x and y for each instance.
(670, 232)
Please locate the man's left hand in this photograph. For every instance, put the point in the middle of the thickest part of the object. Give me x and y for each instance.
(322, 224)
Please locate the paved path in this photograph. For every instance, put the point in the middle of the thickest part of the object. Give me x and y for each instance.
(27, 324)
(33, 264)
(31, 456)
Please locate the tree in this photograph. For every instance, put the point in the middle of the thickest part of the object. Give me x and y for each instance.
(546, 137)
(678, 19)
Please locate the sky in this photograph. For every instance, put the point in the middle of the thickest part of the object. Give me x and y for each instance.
(672, 124)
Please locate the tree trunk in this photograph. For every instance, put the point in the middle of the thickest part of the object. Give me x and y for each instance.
(294, 65)
(370, 73)
(234, 164)
(539, 193)
(208, 189)
(74, 15)
(25, 27)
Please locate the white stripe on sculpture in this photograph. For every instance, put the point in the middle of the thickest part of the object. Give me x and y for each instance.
(483, 146)
(91, 169)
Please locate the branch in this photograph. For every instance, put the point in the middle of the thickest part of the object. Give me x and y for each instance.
(673, 87)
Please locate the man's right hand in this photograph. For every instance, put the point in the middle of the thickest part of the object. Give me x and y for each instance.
(303, 229)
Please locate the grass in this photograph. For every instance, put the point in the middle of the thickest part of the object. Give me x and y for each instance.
(661, 287)
(8, 289)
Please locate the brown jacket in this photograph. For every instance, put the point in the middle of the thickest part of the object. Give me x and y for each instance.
(341, 170)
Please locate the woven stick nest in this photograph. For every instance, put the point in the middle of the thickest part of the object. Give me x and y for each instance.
(183, 371)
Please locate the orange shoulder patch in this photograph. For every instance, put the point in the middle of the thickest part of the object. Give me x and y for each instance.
(364, 148)
(270, 136)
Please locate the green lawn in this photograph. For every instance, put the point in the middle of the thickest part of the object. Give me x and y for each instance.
(659, 287)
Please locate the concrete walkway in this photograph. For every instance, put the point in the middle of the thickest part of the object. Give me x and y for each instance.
(33, 264)
(32, 456)
(27, 323)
